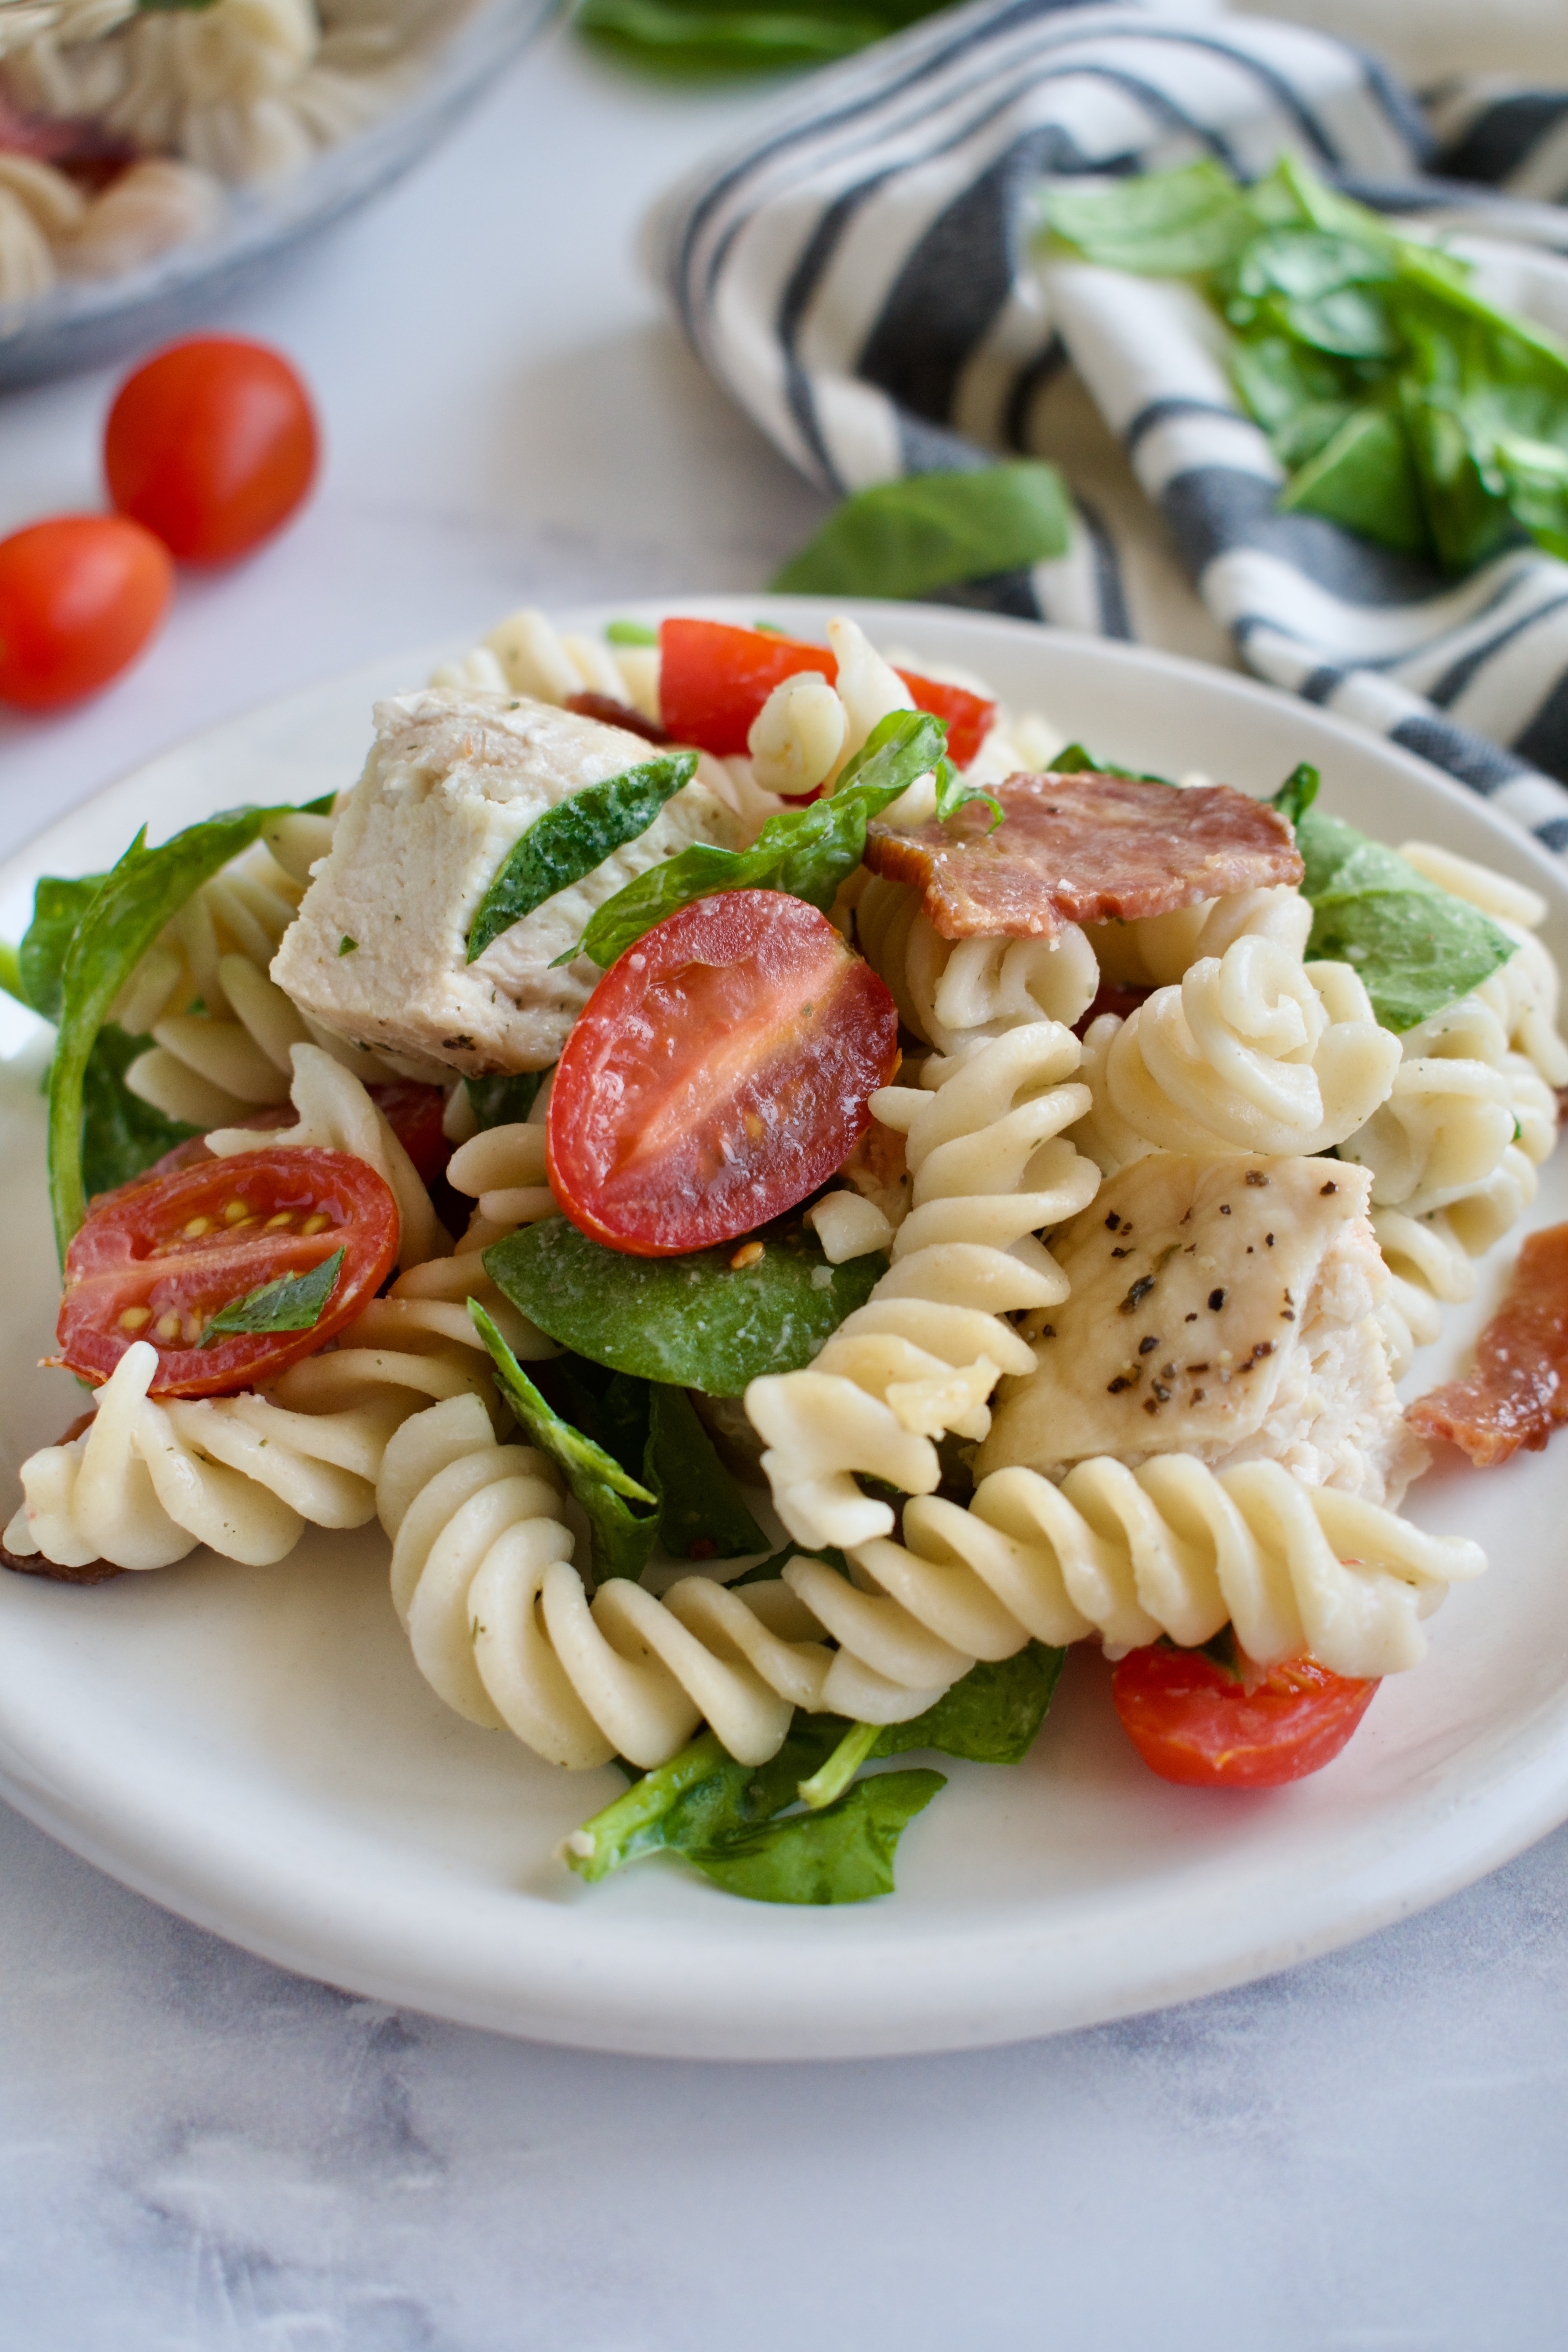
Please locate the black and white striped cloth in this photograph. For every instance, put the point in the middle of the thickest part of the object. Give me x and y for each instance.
(863, 276)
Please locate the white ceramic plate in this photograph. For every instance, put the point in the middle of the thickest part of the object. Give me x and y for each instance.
(254, 1747)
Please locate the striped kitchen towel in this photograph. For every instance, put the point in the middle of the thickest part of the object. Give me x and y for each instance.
(863, 276)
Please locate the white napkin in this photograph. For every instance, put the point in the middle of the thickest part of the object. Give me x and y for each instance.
(862, 276)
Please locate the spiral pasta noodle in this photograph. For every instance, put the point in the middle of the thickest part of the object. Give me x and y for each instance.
(502, 1624)
(957, 993)
(991, 1168)
(1253, 1051)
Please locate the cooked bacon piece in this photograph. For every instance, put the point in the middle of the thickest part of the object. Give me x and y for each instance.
(1082, 848)
(613, 713)
(1518, 1394)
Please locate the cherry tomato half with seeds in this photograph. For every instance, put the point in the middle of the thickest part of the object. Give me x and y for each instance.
(714, 680)
(720, 1071)
(80, 595)
(157, 1260)
(1193, 1723)
(212, 445)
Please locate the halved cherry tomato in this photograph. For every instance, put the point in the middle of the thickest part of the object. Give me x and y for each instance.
(714, 678)
(720, 1071)
(212, 445)
(157, 1259)
(1193, 1723)
(79, 597)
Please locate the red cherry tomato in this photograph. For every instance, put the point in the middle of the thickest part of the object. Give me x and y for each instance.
(211, 444)
(414, 1111)
(720, 1071)
(714, 680)
(157, 1259)
(79, 597)
(1192, 1722)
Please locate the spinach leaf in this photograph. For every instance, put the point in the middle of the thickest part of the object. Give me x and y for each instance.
(621, 1539)
(806, 851)
(928, 531)
(570, 840)
(703, 38)
(630, 633)
(952, 792)
(1413, 947)
(1179, 224)
(992, 1715)
(701, 1515)
(121, 1136)
(1073, 760)
(290, 1302)
(695, 1321)
(725, 1817)
(143, 891)
(1297, 793)
(505, 1100)
(58, 907)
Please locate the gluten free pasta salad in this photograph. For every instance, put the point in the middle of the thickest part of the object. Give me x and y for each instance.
(794, 1194)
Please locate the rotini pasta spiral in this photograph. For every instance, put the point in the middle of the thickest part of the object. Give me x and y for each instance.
(1253, 1051)
(991, 1168)
(957, 993)
(527, 653)
(502, 1626)
(1525, 992)
(1459, 1103)
(1172, 1547)
(1157, 951)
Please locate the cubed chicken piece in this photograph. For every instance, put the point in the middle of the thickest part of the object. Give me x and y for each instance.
(1223, 1309)
(455, 776)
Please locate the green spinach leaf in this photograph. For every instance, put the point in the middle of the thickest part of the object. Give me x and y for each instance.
(114, 929)
(1413, 947)
(291, 1302)
(698, 39)
(992, 1716)
(806, 851)
(507, 1099)
(621, 1537)
(726, 1817)
(573, 838)
(121, 1136)
(701, 1514)
(58, 907)
(696, 1321)
(928, 531)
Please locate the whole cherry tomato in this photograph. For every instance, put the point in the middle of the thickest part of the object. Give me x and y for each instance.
(155, 1261)
(720, 1071)
(212, 445)
(1193, 1722)
(714, 680)
(79, 597)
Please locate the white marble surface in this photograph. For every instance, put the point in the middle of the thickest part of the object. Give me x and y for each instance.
(197, 2151)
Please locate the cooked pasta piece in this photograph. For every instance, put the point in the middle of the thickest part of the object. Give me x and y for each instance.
(1254, 1051)
(1524, 992)
(957, 993)
(1460, 1102)
(1157, 951)
(991, 1168)
(527, 653)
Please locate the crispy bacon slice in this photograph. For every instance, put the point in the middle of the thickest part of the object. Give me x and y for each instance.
(1518, 1394)
(1082, 848)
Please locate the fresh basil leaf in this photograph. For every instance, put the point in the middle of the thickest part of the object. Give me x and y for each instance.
(507, 1099)
(992, 1715)
(121, 1136)
(291, 1302)
(701, 1515)
(1364, 476)
(630, 633)
(725, 1817)
(573, 838)
(58, 907)
(845, 1854)
(907, 538)
(142, 892)
(620, 1538)
(952, 792)
(695, 1321)
(1413, 947)
(806, 851)
(1073, 760)
(1177, 224)
(1297, 793)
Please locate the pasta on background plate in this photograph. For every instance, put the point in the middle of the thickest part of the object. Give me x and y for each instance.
(700, 1087)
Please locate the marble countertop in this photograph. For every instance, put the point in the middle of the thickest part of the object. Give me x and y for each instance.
(198, 2151)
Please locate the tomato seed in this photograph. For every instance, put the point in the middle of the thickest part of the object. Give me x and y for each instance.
(168, 1327)
(315, 1225)
(238, 1212)
(284, 1217)
(199, 1225)
(747, 1255)
(134, 1318)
